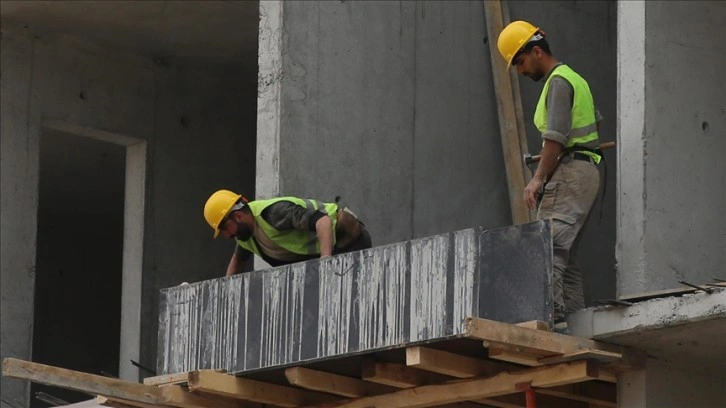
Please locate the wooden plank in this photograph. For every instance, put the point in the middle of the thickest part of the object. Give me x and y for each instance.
(535, 324)
(477, 388)
(119, 403)
(333, 383)
(176, 378)
(451, 364)
(526, 340)
(512, 148)
(599, 355)
(105, 386)
(247, 389)
(77, 381)
(508, 355)
(467, 367)
(406, 377)
(398, 376)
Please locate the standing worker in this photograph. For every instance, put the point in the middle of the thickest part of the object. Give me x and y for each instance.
(567, 179)
(283, 230)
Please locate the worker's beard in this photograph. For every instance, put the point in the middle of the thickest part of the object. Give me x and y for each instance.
(537, 75)
(243, 232)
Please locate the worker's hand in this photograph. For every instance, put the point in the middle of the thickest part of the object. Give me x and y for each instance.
(531, 191)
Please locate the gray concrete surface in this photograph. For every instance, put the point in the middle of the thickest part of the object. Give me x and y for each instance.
(661, 385)
(200, 132)
(687, 330)
(671, 219)
(391, 105)
(191, 33)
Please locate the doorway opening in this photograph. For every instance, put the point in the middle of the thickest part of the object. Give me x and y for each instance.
(88, 259)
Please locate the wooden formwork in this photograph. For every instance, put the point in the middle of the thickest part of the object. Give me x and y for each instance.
(515, 360)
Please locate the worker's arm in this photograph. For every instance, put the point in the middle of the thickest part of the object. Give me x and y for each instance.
(547, 164)
(560, 96)
(239, 261)
(286, 215)
(324, 228)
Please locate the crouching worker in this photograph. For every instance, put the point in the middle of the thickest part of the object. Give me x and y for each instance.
(283, 230)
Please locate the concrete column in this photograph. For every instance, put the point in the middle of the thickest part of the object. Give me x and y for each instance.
(662, 385)
(386, 104)
(671, 104)
(19, 145)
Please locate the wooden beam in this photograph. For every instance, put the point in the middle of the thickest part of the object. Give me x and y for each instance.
(333, 383)
(406, 377)
(535, 324)
(167, 379)
(118, 403)
(459, 366)
(77, 381)
(454, 365)
(500, 353)
(589, 354)
(247, 389)
(509, 128)
(108, 387)
(477, 388)
(531, 341)
(398, 376)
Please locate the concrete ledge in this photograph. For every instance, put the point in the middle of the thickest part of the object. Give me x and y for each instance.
(688, 331)
(606, 322)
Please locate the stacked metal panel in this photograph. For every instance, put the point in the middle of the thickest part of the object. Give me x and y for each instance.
(390, 296)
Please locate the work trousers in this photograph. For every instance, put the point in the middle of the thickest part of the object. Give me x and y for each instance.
(567, 200)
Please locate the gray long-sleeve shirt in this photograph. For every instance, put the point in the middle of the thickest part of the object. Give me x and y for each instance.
(559, 103)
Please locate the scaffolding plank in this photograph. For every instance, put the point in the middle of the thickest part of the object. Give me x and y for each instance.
(477, 388)
(252, 390)
(333, 383)
(400, 376)
(108, 387)
(451, 364)
(526, 340)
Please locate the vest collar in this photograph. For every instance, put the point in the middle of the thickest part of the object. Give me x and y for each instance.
(547, 76)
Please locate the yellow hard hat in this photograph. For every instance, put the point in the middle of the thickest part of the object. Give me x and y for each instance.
(218, 206)
(514, 36)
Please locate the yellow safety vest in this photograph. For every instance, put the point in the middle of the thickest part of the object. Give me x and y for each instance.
(296, 241)
(584, 128)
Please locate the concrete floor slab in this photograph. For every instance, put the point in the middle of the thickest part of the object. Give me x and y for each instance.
(688, 331)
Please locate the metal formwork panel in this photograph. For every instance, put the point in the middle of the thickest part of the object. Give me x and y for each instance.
(390, 296)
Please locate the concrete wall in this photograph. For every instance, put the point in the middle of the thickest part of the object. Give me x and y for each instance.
(672, 224)
(661, 385)
(199, 128)
(392, 106)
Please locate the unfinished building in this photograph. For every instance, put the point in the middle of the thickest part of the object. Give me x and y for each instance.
(119, 118)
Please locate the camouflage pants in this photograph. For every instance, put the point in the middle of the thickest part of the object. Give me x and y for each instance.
(567, 200)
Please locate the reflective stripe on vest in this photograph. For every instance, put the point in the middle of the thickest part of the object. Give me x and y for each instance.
(584, 127)
(296, 241)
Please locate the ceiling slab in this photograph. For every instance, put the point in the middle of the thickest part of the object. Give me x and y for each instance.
(181, 33)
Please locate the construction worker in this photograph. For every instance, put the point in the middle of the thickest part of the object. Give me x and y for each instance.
(283, 230)
(567, 179)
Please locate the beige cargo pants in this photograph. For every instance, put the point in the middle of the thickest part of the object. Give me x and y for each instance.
(567, 199)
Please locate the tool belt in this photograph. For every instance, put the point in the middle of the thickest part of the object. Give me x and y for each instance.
(573, 153)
